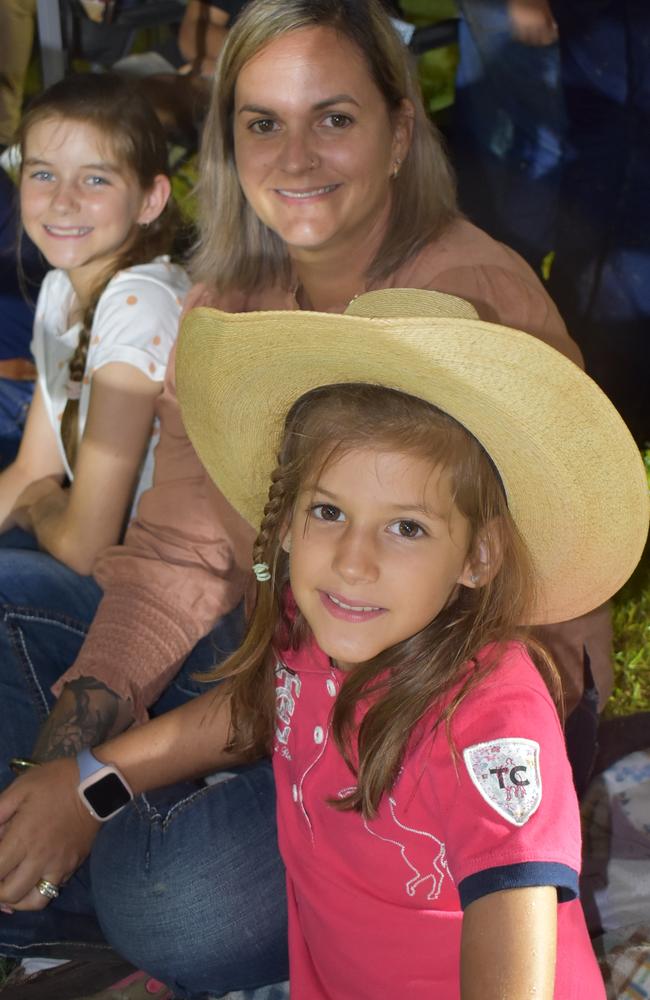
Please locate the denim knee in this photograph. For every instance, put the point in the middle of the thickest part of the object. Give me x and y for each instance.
(188, 884)
(45, 611)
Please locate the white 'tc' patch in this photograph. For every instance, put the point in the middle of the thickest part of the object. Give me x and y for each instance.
(506, 773)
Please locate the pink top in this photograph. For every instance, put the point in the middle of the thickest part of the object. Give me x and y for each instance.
(376, 906)
(186, 556)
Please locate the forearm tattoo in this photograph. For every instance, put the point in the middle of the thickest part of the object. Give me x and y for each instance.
(86, 714)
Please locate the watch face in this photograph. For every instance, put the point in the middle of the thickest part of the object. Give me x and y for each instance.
(107, 795)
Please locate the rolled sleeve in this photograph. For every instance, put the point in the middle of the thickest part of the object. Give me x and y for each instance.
(512, 821)
(136, 323)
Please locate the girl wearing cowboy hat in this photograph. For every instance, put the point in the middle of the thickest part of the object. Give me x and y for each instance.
(321, 178)
(427, 815)
(424, 507)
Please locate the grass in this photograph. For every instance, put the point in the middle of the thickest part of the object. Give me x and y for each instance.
(632, 638)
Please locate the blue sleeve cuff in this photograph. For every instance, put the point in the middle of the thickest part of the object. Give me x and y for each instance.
(520, 876)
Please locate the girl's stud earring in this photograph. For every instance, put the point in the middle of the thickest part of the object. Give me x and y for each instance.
(396, 166)
(474, 578)
(262, 572)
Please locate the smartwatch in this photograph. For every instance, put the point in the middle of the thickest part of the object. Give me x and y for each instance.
(102, 789)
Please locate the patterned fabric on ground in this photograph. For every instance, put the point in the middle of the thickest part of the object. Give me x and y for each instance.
(615, 885)
(279, 991)
(624, 958)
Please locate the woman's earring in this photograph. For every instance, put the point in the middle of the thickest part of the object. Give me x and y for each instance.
(397, 164)
(474, 578)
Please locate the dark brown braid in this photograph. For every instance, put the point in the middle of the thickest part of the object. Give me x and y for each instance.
(268, 540)
(76, 370)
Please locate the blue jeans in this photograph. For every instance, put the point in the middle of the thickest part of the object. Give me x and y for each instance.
(189, 885)
(15, 397)
(186, 883)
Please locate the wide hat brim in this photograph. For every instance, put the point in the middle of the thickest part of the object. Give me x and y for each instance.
(573, 476)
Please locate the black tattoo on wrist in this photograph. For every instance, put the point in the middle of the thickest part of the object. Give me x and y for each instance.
(86, 714)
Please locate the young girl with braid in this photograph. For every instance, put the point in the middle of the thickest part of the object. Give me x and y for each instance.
(94, 198)
(426, 811)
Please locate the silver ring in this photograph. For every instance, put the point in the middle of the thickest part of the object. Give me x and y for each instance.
(47, 889)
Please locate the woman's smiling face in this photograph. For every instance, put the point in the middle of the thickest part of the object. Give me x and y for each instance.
(315, 144)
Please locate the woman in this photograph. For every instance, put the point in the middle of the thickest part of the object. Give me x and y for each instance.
(321, 178)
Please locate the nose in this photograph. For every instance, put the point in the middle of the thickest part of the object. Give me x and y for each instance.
(65, 197)
(356, 559)
(298, 153)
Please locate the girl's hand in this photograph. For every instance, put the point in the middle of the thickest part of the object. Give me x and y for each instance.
(508, 945)
(30, 497)
(532, 22)
(46, 833)
(37, 464)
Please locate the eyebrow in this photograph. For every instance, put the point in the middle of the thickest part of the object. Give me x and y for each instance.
(319, 106)
(106, 167)
(397, 507)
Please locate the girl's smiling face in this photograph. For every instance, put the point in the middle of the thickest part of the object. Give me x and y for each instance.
(315, 144)
(78, 204)
(376, 549)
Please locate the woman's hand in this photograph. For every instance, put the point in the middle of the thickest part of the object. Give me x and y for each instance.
(46, 833)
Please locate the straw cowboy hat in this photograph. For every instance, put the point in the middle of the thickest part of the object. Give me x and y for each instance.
(573, 476)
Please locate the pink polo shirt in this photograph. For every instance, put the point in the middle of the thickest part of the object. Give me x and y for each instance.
(376, 907)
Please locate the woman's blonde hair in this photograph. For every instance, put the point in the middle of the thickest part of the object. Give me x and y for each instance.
(403, 682)
(121, 113)
(236, 250)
